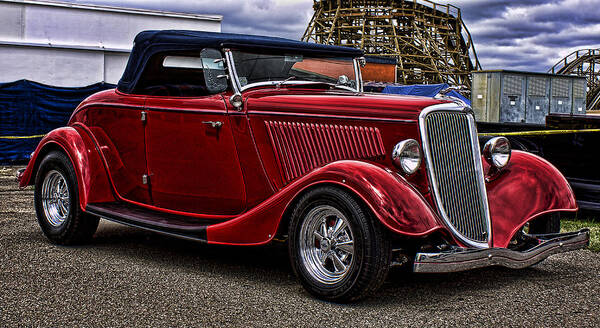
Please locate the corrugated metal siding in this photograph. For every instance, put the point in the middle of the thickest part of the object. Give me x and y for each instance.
(301, 147)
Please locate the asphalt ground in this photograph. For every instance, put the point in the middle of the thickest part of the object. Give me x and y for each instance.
(128, 277)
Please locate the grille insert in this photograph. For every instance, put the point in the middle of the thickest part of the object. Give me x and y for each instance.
(459, 189)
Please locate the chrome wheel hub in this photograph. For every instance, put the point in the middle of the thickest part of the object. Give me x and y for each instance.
(326, 244)
(56, 200)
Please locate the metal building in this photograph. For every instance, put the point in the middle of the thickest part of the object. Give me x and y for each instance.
(67, 44)
(585, 63)
(500, 96)
(429, 40)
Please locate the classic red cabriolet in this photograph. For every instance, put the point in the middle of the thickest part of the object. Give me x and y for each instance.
(238, 140)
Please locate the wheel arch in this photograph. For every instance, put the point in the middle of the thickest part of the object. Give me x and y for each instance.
(527, 179)
(403, 210)
(286, 217)
(92, 179)
(47, 148)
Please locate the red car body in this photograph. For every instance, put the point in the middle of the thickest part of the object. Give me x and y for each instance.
(248, 203)
(227, 173)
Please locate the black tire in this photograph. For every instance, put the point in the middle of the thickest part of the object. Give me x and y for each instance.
(77, 226)
(369, 262)
(549, 223)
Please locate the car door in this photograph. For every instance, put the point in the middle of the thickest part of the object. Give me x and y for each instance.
(119, 131)
(192, 158)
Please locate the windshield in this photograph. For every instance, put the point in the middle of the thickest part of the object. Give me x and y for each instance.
(255, 68)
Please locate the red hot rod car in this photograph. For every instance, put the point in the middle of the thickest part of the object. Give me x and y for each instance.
(235, 139)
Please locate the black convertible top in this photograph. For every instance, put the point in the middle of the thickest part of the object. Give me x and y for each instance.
(148, 43)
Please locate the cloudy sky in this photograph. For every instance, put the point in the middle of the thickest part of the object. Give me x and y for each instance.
(529, 35)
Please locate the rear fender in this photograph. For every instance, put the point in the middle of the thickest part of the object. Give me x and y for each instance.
(93, 184)
(527, 188)
(393, 201)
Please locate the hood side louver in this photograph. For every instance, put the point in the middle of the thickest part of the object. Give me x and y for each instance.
(301, 147)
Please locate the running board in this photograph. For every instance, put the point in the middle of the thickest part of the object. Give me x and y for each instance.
(166, 223)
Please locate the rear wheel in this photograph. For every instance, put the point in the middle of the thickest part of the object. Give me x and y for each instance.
(549, 223)
(57, 202)
(336, 248)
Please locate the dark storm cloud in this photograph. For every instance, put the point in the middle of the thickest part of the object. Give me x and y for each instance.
(527, 35)
(571, 12)
(476, 10)
(498, 29)
(530, 35)
(567, 39)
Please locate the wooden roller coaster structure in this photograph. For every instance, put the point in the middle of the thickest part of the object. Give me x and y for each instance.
(429, 41)
(586, 63)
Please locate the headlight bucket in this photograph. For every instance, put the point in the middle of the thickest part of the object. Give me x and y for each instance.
(497, 152)
(407, 156)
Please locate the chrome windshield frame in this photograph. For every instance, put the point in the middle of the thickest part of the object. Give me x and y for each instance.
(238, 88)
(358, 74)
(233, 77)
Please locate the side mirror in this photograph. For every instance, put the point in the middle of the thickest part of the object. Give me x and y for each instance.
(215, 75)
(362, 61)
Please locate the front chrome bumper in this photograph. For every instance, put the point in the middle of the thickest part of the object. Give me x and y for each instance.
(466, 259)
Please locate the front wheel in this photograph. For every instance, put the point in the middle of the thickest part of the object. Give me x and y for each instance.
(336, 248)
(57, 202)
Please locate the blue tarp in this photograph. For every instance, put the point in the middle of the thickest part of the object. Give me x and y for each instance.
(28, 108)
(455, 94)
(425, 90)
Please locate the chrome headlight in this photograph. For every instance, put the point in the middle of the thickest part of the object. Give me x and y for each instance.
(407, 156)
(497, 152)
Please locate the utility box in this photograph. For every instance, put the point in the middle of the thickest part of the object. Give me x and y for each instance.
(501, 96)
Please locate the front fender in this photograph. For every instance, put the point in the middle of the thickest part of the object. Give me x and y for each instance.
(393, 201)
(528, 187)
(92, 181)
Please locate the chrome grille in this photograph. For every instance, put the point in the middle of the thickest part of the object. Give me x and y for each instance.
(456, 173)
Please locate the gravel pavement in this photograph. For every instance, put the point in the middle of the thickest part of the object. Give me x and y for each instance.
(128, 277)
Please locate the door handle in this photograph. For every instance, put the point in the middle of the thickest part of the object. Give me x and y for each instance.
(214, 124)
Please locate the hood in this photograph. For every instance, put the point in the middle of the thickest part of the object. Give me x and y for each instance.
(338, 103)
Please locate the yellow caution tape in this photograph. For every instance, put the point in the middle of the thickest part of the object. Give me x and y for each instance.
(537, 133)
(520, 133)
(22, 137)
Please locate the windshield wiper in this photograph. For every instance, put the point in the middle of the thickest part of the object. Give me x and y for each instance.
(284, 81)
(321, 85)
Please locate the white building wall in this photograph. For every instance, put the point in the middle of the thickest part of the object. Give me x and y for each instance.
(64, 44)
(56, 66)
(114, 65)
